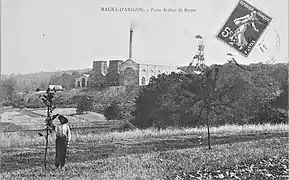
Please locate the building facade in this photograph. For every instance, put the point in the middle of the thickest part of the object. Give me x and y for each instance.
(82, 81)
(124, 73)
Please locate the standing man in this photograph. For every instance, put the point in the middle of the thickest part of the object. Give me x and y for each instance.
(63, 137)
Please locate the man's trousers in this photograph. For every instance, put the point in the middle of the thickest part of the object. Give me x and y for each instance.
(61, 147)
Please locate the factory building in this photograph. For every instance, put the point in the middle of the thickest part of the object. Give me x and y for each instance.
(125, 72)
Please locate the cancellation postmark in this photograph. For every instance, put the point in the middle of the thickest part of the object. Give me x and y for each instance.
(268, 47)
(244, 28)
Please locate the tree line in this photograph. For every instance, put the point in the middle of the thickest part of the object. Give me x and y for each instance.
(223, 94)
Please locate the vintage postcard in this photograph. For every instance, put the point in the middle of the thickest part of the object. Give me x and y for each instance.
(144, 89)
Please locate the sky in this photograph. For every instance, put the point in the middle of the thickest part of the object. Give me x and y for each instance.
(52, 35)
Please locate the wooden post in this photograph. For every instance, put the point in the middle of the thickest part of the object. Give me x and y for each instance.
(46, 146)
(208, 127)
(46, 136)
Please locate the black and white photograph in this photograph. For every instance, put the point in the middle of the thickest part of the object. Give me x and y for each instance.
(144, 90)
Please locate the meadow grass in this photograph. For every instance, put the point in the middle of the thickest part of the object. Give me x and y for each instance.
(163, 165)
(23, 139)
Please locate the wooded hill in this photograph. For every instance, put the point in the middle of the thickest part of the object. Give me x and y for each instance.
(227, 94)
(256, 93)
(29, 82)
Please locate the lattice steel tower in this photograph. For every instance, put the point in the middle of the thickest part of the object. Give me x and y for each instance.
(199, 56)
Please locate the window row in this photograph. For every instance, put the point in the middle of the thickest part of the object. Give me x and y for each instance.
(151, 71)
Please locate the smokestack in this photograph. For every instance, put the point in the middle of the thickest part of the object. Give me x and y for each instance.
(130, 43)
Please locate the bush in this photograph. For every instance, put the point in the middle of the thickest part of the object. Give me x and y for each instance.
(164, 101)
(76, 98)
(99, 108)
(230, 94)
(18, 101)
(34, 101)
(62, 99)
(7, 103)
(269, 114)
(84, 104)
(112, 111)
(67, 106)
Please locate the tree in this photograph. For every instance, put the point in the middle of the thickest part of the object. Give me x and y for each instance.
(281, 100)
(43, 84)
(18, 101)
(112, 111)
(213, 97)
(84, 104)
(280, 74)
(275, 109)
(156, 105)
(8, 89)
(65, 79)
(270, 114)
(164, 101)
(183, 99)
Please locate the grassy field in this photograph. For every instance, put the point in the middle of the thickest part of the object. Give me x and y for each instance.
(258, 159)
(14, 119)
(238, 152)
(23, 139)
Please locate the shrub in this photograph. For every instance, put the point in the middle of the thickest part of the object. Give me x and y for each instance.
(229, 93)
(269, 114)
(62, 99)
(76, 98)
(84, 104)
(112, 111)
(18, 101)
(7, 103)
(99, 108)
(34, 101)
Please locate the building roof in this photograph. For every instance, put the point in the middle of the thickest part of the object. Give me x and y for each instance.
(83, 75)
(57, 87)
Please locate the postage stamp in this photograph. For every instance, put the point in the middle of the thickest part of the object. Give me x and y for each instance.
(244, 27)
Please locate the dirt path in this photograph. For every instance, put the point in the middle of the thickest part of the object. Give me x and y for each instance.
(14, 159)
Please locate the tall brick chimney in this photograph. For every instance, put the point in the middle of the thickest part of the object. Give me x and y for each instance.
(130, 44)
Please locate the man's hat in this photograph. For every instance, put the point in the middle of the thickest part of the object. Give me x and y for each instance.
(62, 119)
